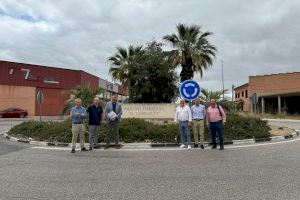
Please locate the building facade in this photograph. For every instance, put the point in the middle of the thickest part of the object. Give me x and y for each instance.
(274, 94)
(20, 83)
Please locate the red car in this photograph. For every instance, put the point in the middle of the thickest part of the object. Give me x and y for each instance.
(13, 113)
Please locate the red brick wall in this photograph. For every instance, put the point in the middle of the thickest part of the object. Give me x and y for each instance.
(18, 97)
(54, 102)
(246, 101)
(89, 80)
(275, 84)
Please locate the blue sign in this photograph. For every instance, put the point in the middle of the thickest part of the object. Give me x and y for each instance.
(189, 90)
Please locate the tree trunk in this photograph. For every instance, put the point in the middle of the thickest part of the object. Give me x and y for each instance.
(187, 70)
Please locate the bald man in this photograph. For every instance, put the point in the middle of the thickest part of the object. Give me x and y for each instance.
(216, 118)
(95, 112)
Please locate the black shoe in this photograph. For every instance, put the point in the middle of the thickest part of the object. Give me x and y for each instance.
(97, 147)
(196, 146)
(83, 149)
(73, 151)
(221, 148)
(90, 149)
(202, 147)
(213, 147)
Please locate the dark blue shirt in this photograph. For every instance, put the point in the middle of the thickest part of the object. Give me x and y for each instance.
(95, 114)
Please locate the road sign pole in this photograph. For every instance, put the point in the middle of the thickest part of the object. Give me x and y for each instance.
(40, 97)
(40, 112)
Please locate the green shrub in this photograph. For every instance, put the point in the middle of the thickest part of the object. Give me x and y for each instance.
(139, 130)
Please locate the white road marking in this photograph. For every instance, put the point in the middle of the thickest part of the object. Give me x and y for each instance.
(168, 149)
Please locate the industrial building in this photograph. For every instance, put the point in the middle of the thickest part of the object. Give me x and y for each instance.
(20, 83)
(272, 94)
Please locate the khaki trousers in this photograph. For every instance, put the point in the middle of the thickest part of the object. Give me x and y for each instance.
(78, 129)
(198, 130)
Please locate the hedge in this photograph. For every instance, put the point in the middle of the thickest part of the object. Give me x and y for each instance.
(139, 130)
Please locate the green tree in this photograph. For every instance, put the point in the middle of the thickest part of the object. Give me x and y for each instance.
(123, 63)
(85, 93)
(154, 78)
(192, 50)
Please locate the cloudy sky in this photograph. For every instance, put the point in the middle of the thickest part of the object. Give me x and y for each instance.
(253, 37)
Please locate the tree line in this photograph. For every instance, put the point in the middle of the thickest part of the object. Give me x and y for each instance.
(149, 72)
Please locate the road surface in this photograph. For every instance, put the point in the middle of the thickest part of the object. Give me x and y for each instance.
(256, 172)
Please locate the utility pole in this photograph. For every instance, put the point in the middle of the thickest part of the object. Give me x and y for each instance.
(222, 78)
(232, 93)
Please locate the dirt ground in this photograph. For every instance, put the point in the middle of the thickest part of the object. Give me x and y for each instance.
(280, 131)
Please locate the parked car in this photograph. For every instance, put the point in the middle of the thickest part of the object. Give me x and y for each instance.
(13, 113)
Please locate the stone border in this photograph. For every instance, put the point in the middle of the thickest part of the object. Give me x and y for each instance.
(153, 145)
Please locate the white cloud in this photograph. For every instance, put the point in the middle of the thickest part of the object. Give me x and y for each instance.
(252, 37)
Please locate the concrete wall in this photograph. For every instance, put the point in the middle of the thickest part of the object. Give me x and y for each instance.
(18, 97)
(149, 110)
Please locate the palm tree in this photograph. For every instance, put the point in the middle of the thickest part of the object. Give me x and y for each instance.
(123, 63)
(192, 50)
(207, 95)
(85, 93)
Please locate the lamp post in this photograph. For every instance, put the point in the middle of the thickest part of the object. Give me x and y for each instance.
(222, 78)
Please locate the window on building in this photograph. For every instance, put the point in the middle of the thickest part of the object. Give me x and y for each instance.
(246, 93)
(242, 93)
(236, 95)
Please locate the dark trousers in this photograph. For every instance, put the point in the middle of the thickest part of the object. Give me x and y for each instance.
(216, 128)
(112, 129)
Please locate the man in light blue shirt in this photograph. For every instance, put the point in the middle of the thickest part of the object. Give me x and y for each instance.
(198, 115)
(78, 115)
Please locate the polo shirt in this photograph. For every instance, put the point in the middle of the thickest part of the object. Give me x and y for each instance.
(95, 114)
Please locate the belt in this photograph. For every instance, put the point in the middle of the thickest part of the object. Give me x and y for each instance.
(184, 121)
(221, 121)
(198, 119)
(77, 123)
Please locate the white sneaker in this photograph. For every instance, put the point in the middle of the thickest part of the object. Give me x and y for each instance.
(189, 147)
(182, 146)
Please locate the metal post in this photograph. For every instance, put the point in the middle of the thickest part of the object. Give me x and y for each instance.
(232, 93)
(40, 112)
(279, 105)
(262, 105)
(222, 78)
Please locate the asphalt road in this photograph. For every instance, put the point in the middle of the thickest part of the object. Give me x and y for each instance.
(256, 172)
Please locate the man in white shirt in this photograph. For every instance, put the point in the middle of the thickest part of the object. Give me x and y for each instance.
(198, 114)
(183, 116)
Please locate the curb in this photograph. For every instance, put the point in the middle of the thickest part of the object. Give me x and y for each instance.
(295, 134)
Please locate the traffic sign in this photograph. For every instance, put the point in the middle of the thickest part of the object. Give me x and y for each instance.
(40, 97)
(189, 90)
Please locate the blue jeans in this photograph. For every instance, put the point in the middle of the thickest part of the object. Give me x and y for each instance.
(216, 128)
(185, 134)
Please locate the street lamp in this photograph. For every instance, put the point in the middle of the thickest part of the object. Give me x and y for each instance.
(222, 78)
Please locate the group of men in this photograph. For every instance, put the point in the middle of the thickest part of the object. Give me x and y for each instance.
(94, 115)
(196, 118)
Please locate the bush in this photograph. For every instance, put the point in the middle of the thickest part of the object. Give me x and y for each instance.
(139, 130)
